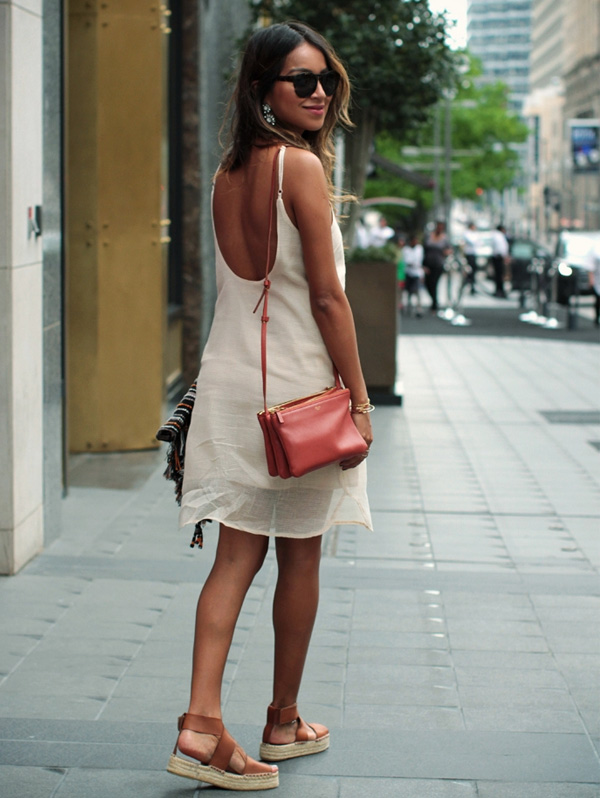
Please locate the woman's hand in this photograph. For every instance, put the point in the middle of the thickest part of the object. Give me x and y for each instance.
(363, 425)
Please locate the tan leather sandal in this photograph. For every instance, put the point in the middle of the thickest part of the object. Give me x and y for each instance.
(218, 771)
(303, 745)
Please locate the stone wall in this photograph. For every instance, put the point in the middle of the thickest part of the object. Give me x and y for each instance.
(21, 285)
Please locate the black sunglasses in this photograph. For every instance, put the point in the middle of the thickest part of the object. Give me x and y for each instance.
(305, 83)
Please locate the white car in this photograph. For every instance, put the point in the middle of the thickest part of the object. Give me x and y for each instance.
(572, 262)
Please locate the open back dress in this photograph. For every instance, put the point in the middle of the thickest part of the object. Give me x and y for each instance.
(226, 477)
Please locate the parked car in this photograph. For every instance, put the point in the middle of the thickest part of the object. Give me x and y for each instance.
(571, 263)
(524, 255)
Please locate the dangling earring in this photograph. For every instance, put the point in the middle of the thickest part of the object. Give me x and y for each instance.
(268, 114)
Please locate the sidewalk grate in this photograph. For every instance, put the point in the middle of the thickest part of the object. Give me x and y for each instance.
(571, 416)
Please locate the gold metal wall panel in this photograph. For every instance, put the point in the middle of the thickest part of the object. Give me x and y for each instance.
(116, 275)
(81, 245)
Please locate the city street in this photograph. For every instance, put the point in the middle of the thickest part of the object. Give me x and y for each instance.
(456, 651)
(457, 648)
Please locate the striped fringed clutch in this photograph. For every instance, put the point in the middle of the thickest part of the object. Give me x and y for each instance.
(174, 432)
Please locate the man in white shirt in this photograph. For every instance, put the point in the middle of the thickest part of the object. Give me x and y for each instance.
(499, 258)
(381, 234)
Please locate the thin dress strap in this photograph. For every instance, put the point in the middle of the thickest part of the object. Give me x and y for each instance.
(281, 157)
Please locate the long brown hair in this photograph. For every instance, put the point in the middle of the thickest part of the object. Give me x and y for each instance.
(262, 60)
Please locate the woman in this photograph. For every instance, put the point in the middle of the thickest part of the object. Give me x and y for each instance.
(291, 92)
(437, 249)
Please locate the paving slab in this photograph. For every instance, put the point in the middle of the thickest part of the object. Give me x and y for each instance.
(456, 648)
(407, 788)
(544, 790)
(30, 782)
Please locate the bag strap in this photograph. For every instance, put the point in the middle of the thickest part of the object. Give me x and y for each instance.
(264, 297)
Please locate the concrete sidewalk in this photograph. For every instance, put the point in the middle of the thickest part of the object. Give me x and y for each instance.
(457, 649)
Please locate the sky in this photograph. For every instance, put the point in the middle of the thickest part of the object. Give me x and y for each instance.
(457, 10)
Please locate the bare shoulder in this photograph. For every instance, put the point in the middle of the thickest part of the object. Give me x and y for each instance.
(303, 164)
(304, 180)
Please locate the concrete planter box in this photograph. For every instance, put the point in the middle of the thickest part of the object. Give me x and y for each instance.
(371, 290)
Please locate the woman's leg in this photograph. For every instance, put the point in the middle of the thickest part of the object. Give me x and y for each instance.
(294, 610)
(239, 557)
(419, 303)
(431, 283)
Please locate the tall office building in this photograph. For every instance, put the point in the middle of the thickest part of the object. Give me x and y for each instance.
(547, 42)
(499, 34)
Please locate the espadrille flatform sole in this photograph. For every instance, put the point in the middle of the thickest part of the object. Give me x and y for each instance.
(220, 778)
(302, 746)
(218, 770)
(277, 753)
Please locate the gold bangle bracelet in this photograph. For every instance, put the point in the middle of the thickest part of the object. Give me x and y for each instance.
(367, 407)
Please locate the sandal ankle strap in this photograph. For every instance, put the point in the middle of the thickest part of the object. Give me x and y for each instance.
(226, 745)
(278, 716)
(200, 723)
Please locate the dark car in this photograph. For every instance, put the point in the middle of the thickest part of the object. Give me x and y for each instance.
(571, 265)
(525, 256)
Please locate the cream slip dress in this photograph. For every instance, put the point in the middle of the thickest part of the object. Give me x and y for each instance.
(226, 477)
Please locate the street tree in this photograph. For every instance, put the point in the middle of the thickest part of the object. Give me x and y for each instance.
(483, 133)
(483, 122)
(397, 57)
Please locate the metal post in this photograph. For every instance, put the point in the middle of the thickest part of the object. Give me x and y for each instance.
(436, 161)
(551, 320)
(447, 164)
(573, 310)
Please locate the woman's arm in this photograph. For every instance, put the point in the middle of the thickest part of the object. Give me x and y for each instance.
(307, 194)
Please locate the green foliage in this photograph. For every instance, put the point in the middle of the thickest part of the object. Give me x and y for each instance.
(480, 122)
(492, 129)
(395, 52)
(389, 253)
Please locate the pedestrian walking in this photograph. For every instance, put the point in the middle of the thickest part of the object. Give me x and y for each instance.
(291, 94)
(470, 253)
(437, 248)
(413, 259)
(500, 259)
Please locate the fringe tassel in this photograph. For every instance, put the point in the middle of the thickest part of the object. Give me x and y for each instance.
(174, 432)
(198, 536)
(174, 469)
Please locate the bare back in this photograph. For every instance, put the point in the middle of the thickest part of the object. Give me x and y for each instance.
(241, 215)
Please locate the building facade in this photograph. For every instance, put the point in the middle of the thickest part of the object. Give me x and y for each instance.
(106, 156)
(547, 42)
(499, 34)
(565, 91)
(581, 77)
